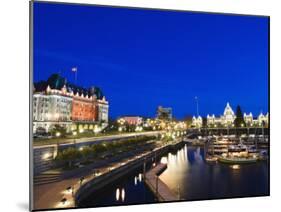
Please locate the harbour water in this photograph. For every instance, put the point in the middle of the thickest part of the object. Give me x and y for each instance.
(191, 178)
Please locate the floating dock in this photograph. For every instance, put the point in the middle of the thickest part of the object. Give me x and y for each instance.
(157, 186)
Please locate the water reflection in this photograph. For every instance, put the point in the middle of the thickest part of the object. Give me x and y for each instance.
(120, 196)
(140, 177)
(164, 160)
(123, 194)
(191, 178)
(197, 156)
(117, 194)
(197, 179)
(235, 166)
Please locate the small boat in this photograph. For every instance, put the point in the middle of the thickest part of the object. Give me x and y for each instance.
(237, 160)
(211, 159)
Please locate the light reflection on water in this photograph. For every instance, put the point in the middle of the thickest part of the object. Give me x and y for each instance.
(188, 170)
(120, 196)
(123, 194)
(189, 174)
(117, 194)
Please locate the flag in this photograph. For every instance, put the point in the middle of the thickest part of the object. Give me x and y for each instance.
(74, 69)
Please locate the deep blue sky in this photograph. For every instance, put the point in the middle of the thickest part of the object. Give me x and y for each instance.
(145, 58)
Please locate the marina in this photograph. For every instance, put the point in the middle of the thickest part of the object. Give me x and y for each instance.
(187, 174)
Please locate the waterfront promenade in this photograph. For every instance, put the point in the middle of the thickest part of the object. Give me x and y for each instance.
(56, 195)
(50, 195)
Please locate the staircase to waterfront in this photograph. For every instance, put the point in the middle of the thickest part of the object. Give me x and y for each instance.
(46, 178)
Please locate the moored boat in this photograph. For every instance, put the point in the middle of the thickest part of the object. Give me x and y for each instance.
(211, 159)
(236, 160)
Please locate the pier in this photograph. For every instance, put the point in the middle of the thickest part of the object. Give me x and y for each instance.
(157, 186)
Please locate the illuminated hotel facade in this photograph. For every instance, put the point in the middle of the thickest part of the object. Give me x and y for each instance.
(62, 107)
(227, 119)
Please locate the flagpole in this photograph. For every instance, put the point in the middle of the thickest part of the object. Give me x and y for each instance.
(74, 69)
(76, 77)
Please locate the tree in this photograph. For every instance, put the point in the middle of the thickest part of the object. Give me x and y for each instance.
(239, 120)
(188, 120)
(70, 155)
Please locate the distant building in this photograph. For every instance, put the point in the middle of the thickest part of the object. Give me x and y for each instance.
(228, 118)
(102, 108)
(212, 120)
(263, 119)
(132, 120)
(197, 122)
(164, 113)
(248, 118)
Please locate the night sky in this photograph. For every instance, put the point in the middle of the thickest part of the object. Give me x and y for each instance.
(145, 58)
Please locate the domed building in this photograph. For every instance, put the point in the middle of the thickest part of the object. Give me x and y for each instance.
(228, 116)
(197, 122)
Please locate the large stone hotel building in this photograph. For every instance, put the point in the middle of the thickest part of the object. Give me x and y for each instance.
(68, 107)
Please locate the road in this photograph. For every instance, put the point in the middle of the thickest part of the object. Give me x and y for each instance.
(69, 142)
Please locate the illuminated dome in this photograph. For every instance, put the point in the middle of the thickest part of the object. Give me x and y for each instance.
(228, 115)
(228, 111)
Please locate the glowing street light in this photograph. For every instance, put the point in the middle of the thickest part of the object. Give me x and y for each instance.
(58, 134)
(96, 129)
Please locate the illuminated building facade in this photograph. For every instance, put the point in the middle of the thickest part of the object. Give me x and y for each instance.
(164, 113)
(248, 118)
(197, 122)
(228, 117)
(64, 108)
(102, 110)
(263, 119)
(84, 108)
(132, 120)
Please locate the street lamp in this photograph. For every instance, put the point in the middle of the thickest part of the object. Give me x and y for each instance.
(57, 135)
(74, 133)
